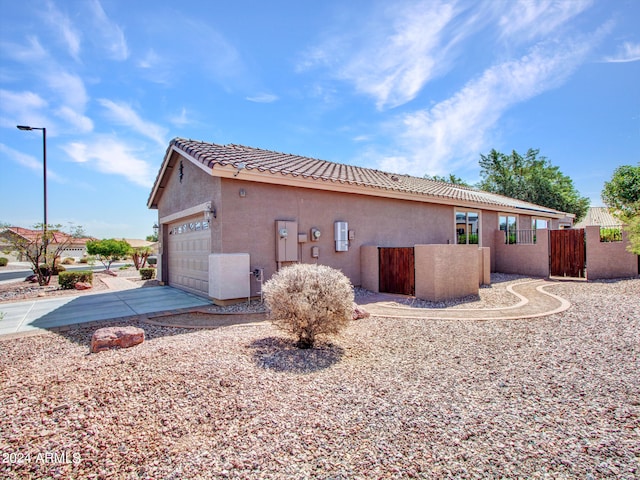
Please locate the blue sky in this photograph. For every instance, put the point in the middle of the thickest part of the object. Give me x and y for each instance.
(406, 86)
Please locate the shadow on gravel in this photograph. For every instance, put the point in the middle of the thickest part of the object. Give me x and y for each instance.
(282, 355)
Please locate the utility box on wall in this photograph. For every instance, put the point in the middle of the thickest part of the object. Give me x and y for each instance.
(286, 241)
(342, 236)
(228, 276)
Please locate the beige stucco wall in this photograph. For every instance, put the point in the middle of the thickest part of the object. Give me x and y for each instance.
(446, 271)
(369, 267)
(522, 258)
(489, 222)
(178, 197)
(484, 266)
(608, 259)
(248, 224)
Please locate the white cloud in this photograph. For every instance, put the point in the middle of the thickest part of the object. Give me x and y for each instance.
(530, 19)
(32, 52)
(66, 94)
(628, 52)
(452, 132)
(80, 122)
(150, 60)
(19, 108)
(73, 99)
(392, 57)
(108, 155)
(181, 119)
(263, 98)
(124, 114)
(63, 25)
(69, 87)
(111, 35)
(29, 162)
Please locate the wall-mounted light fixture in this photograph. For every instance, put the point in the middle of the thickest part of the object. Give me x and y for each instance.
(242, 192)
(239, 166)
(155, 229)
(209, 212)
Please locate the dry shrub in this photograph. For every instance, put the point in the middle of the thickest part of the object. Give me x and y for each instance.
(309, 300)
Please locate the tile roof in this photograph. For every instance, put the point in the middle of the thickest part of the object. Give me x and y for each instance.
(275, 163)
(599, 216)
(56, 235)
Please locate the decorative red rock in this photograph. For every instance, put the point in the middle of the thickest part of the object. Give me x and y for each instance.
(359, 312)
(82, 286)
(111, 272)
(116, 337)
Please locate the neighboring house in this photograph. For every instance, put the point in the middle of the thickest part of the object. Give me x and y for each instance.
(76, 247)
(600, 216)
(227, 210)
(137, 243)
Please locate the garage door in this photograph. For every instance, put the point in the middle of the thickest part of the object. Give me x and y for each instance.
(189, 247)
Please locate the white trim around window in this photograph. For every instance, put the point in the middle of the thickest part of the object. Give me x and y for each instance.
(468, 226)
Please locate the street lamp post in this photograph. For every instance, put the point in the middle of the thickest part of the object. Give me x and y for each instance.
(44, 165)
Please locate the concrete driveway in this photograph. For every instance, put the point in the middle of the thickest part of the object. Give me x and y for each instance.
(44, 314)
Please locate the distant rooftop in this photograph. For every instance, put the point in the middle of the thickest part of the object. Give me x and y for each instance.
(599, 216)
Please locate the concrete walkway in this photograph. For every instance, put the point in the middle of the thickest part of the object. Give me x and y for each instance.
(534, 302)
(124, 299)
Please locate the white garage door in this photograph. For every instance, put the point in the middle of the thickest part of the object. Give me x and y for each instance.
(188, 250)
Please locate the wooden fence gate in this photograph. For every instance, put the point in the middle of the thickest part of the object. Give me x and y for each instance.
(397, 270)
(567, 252)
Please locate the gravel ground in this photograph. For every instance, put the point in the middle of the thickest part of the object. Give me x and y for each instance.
(555, 397)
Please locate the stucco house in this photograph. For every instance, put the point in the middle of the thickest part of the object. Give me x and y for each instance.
(74, 247)
(231, 215)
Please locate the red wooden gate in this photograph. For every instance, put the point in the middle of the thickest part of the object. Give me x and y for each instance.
(567, 252)
(397, 270)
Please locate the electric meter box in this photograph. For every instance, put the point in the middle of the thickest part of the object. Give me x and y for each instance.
(341, 236)
(286, 241)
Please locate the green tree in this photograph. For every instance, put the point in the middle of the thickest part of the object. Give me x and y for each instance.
(532, 179)
(622, 192)
(622, 195)
(108, 250)
(451, 178)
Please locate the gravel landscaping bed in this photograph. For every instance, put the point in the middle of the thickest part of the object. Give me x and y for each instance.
(21, 290)
(554, 397)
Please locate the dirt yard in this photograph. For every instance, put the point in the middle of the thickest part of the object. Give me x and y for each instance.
(554, 397)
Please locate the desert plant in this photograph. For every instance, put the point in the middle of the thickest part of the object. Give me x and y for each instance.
(44, 269)
(68, 261)
(68, 280)
(3, 261)
(610, 234)
(147, 273)
(309, 300)
(139, 256)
